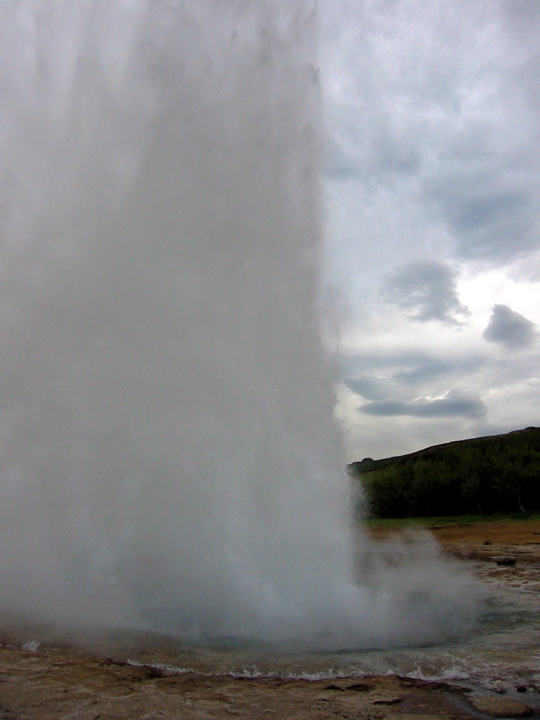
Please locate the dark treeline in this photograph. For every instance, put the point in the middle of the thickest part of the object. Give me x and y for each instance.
(493, 474)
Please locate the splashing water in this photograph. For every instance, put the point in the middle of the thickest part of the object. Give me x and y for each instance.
(168, 452)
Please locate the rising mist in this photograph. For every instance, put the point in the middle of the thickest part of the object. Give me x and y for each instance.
(169, 458)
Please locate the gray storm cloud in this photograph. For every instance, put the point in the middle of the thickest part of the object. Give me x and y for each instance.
(379, 378)
(453, 404)
(426, 291)
(510, 328)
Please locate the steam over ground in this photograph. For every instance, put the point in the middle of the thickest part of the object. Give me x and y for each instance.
(168, 454)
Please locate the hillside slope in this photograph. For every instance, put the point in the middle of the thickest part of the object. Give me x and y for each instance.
(499, 473)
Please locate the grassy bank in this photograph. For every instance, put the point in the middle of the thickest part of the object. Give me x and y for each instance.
(430, 522)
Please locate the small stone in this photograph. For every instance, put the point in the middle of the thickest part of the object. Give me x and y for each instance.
(359, 687)
(522, 688)
(388, 701)
(505, 560)
(501, 707)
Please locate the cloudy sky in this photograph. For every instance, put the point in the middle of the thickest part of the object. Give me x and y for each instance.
(432, 184)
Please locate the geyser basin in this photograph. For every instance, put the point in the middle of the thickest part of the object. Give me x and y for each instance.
(169, 458)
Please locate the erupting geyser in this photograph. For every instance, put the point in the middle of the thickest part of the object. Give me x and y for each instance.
(168, 455)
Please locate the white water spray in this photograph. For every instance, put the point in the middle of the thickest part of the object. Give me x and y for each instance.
(168, 453)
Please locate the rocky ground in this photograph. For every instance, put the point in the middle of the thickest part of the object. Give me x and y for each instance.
(58, 681)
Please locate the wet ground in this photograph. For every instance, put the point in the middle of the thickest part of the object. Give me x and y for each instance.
(491, 672)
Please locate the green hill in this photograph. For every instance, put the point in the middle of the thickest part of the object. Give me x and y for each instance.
(500, 473)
